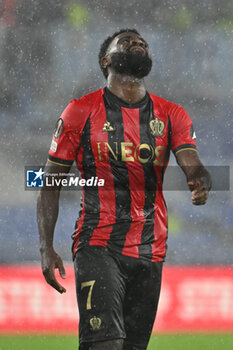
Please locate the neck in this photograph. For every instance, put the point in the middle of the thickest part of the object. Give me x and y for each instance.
(128, 88)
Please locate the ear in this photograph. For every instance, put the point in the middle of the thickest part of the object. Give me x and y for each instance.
(105, 61)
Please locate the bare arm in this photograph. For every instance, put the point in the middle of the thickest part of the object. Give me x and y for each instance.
(47, 213)
(198, 178)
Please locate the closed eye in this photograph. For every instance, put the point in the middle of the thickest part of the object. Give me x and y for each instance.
(124, 40)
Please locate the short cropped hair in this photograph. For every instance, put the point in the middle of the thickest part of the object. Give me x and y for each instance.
(105, 45)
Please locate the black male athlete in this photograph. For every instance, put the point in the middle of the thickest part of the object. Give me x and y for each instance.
(122, 134)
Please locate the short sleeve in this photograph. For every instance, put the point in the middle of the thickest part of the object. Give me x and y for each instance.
(183, 135)
(66, 136)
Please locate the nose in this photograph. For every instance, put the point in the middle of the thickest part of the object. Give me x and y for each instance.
(137, 41)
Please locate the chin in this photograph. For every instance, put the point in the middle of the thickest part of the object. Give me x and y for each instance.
(133, 64)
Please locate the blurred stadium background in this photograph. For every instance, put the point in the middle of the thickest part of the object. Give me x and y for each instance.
(49, 55)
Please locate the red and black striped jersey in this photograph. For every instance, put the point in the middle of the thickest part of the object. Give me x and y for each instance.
(127, 145)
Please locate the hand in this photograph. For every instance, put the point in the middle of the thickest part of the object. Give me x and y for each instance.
(50, 261)
(199, 190)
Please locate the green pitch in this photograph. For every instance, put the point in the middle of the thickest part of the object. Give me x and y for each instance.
(161, 342)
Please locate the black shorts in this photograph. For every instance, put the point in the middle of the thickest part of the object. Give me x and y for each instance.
(117, 296)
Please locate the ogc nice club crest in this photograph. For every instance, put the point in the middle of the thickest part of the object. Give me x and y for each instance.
(157, 127)
(95, 323)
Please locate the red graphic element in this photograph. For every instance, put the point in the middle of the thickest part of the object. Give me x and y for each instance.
(193, 299)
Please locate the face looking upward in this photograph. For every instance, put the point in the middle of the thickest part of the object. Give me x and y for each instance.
(125, 40)
(128, 54)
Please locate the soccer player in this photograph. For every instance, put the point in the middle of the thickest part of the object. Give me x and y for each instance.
(122, 134)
